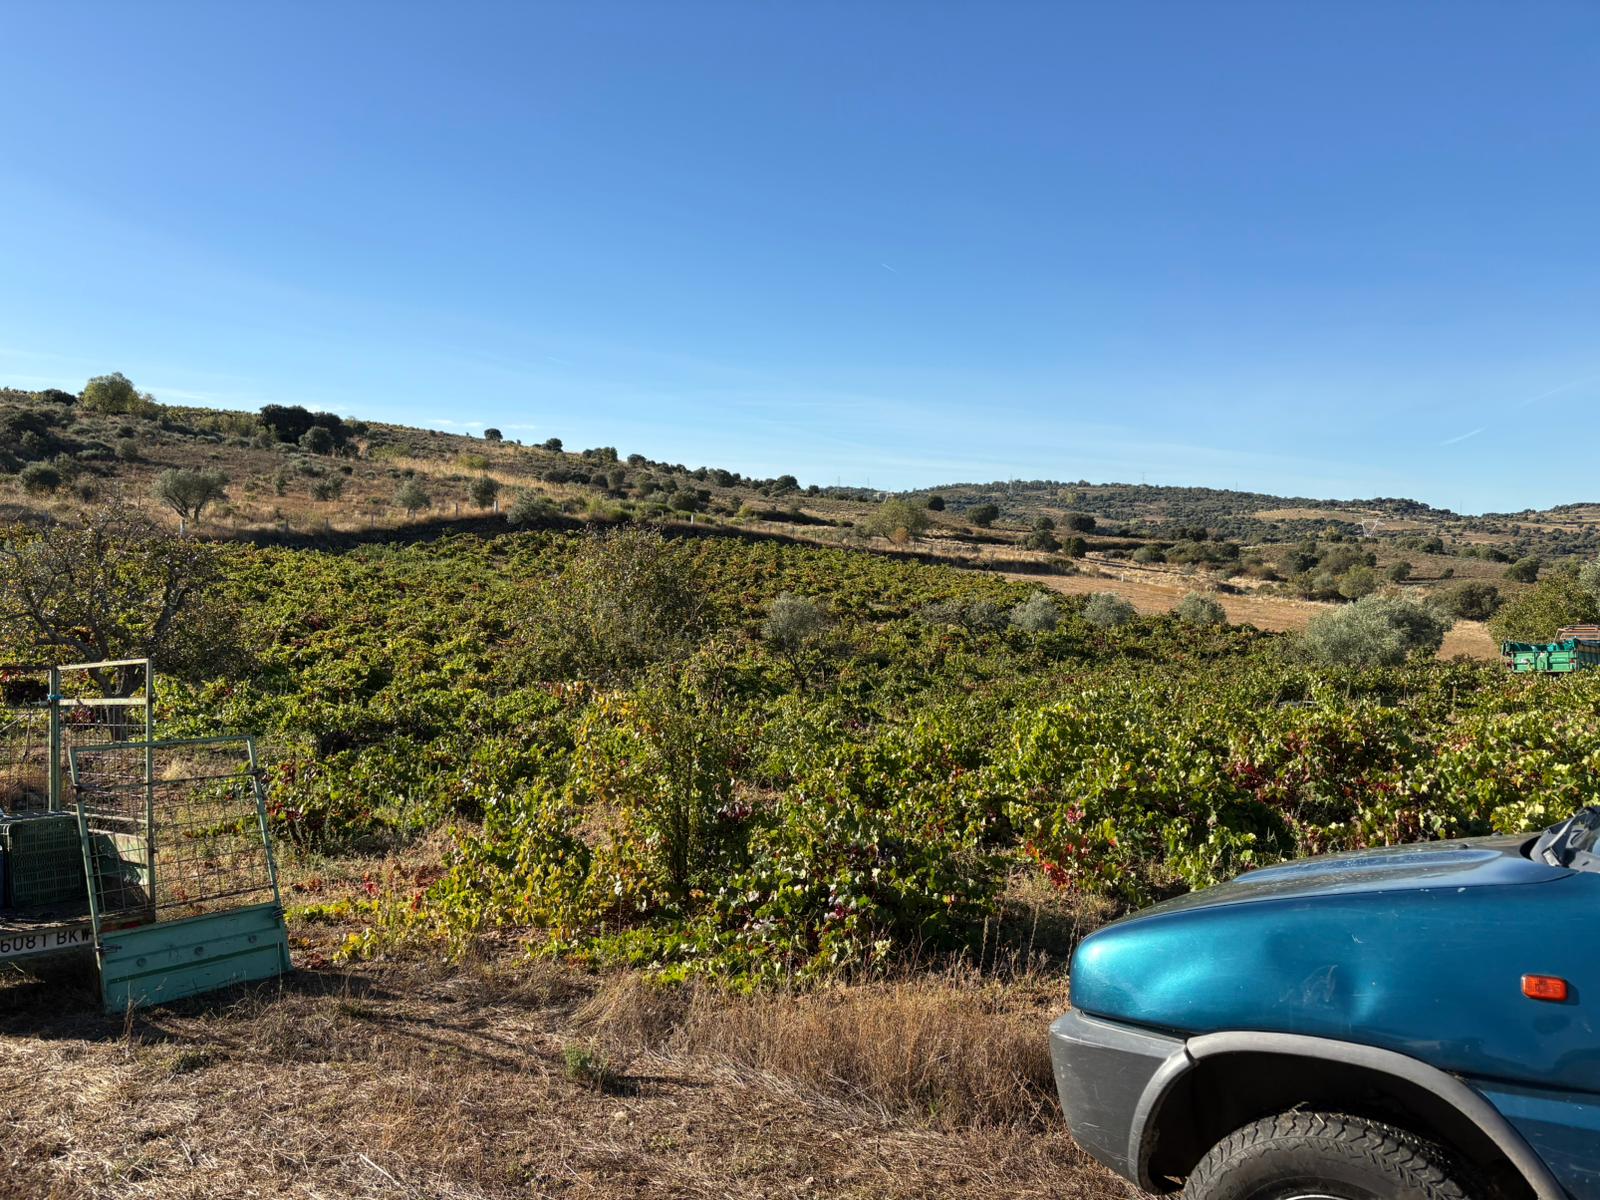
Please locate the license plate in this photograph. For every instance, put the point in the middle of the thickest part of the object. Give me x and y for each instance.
(43, 941)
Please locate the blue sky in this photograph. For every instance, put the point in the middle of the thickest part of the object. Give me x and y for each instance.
(1340, 249)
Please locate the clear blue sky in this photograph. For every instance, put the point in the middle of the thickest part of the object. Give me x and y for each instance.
(1335, 248)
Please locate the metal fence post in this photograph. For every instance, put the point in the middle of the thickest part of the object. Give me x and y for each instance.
(53, 802)
(150, 772)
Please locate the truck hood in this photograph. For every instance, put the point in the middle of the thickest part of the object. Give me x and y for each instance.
(1475, 862)
(1406, 948)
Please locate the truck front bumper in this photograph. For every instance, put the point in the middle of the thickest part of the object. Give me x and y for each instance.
(1104, 1072)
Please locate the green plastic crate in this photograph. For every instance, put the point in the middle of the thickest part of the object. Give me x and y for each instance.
(44, 861)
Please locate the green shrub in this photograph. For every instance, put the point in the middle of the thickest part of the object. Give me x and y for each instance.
(1524, 570)
(1107, 610)
(114, 393)
(39, 478)
(1469, 601)
(413, 497)
(1374, 631)
(626, 599)
(530, 508)
(1560, 598)
(485, 490)
(1357, 582)
(1198, 609)
(1037, 614)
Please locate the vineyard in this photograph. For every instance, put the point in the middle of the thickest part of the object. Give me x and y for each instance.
(626, 864)
(760, 763)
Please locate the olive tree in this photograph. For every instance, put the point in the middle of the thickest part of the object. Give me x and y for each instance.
(1108, 611)
(899, 520)
(1199, 609)
(484, 490)
(794, 629)
(412, 497)
(1374, 631)
(983, 515)
(189, 493)
(1037, 614)
(113, 585)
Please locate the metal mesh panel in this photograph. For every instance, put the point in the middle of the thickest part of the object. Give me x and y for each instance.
(101, 703)
(24, 740)
(189, 841)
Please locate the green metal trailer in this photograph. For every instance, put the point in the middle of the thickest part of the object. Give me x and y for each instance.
(1556, 658)
(153, 857)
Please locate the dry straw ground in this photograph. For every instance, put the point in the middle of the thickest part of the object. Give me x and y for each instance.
(518, 1079)
(1158, 591)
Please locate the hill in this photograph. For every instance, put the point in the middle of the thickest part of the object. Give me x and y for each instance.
(286, 474)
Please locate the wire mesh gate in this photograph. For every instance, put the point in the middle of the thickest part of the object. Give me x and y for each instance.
(46, 711)
(27, 738)
(200, 908)
(196, 812)
(163, 861)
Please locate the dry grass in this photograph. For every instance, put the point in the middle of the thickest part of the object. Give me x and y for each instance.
(405, 1081)
(1154, 590)
(953, 1050)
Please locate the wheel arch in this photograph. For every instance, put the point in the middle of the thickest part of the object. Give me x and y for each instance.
(1223, 1081)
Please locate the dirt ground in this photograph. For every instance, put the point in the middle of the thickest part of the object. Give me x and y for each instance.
(1157, 591)
(426, 1083)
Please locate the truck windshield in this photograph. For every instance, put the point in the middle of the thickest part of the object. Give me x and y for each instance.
(1571, 843)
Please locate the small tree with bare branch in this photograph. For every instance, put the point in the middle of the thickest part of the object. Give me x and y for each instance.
(114, 585)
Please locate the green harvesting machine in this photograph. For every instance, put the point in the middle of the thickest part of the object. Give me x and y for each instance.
(152, 857)
(1575, 648)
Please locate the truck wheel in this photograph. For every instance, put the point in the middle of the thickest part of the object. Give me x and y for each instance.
(1323, 1156)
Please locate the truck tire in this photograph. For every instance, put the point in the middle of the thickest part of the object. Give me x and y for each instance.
(1326, 1156)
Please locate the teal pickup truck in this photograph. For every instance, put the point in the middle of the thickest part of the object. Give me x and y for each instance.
(1413, 1023)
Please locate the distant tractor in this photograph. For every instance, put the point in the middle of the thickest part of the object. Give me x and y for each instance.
(1575, 648)
(158, 863)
